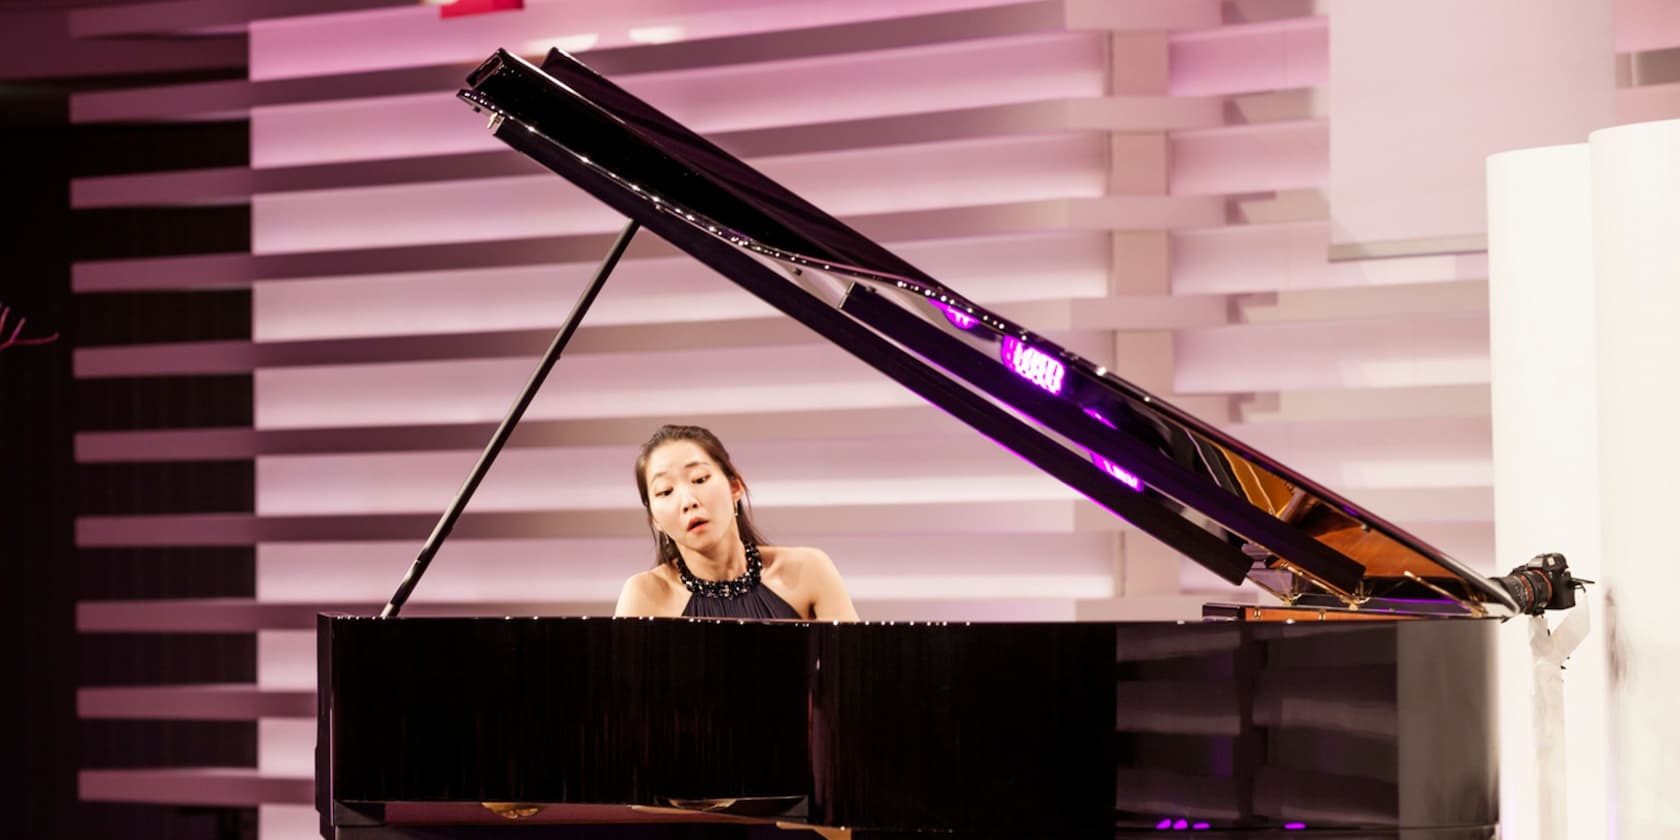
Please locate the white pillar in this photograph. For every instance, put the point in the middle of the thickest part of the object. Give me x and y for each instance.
(1545, 461)
(1636, 221)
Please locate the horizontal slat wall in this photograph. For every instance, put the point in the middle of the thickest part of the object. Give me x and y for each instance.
(1144, 180)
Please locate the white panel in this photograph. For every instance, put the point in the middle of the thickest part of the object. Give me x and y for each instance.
(1411, 452)
(710, 100)
(380, 128)
(906, 470)
(286, 658)
(877, 567)
(902, 178)
(349, 42)
(1276, 257)
(697, 382)
(1646, 25)
(1422, 269)
(286, 747)
(1249, 258)
(1457, 297)
(1370, 353)
(1636, 200)
(888, 82)
(463, 571)
(1250, 158)
(993, 270)
(1365, 404)
(1545, 449)
(1272, 55)
(418, 214)
(1422, 92)
(1648, 103)
(288, 822)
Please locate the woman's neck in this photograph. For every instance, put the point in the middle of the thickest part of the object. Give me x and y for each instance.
(724, 560)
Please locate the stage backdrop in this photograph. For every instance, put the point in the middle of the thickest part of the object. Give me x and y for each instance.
(1150, 182)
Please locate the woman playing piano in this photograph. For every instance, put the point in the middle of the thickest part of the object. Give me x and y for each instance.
(712, 562)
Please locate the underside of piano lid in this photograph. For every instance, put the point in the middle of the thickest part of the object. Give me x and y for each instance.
(1218, 501)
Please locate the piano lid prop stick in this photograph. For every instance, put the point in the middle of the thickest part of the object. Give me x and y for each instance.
(446, 523)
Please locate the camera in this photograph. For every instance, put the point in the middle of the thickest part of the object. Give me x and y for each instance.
(1543, 583)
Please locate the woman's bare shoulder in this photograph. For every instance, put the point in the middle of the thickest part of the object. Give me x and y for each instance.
(646, 593)
(793, 559)
(810, 573)
(793, 554)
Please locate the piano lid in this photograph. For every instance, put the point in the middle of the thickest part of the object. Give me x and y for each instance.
(1220, 502)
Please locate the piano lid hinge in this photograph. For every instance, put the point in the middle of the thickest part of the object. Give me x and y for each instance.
(496, 118)
(1351, 600)
(1288, 598)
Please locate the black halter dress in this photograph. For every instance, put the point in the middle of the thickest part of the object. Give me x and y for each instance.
(744, 597)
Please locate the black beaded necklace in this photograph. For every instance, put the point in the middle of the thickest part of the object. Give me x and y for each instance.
(724, 588)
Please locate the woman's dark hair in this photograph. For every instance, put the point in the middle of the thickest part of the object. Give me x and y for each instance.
(665, 550)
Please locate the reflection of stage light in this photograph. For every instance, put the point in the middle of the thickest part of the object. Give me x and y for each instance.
(1120, 473)
(565, 43)
(656, 34)
(1170, 824)
(1117, 471)
(1033, 365)
(956, 316)
(1294, 826)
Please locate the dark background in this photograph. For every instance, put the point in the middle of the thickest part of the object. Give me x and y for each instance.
(42, 574)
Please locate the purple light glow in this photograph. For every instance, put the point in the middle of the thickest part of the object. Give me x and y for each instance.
(1033, 365)
(1180, 825)
(1200, 826)
(1118, 472)
(1164, 824)
(961, 319)
(1294, 826)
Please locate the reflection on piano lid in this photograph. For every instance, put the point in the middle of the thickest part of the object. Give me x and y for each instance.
(1216, 500)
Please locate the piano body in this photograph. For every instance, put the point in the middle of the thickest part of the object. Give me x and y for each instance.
(1361, 704)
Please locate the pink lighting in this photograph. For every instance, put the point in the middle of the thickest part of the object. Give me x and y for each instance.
(956, 316)
(1170, 824)
(463, 8)
(1118, 472)
(1033, 365)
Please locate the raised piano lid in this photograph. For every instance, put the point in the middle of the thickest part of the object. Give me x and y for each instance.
(1217, 500)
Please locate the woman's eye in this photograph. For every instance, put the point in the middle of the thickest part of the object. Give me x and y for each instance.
(701, 479)
(665, 492)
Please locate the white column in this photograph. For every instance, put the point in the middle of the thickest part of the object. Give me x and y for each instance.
(1636, 222)
(1545, 460)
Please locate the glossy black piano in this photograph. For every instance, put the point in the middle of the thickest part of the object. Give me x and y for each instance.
(1360, 704)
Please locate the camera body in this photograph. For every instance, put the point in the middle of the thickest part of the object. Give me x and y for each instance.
(1543, 583)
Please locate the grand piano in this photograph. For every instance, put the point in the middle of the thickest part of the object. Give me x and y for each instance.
(1359, 704)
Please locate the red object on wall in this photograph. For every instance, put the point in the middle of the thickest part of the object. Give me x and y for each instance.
(462, 8)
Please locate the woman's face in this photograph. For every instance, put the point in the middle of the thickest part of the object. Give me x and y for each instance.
(689, 496)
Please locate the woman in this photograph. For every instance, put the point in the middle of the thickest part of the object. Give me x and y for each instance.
(711, 560)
